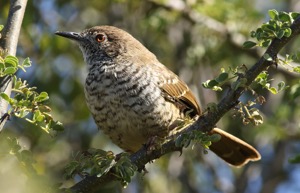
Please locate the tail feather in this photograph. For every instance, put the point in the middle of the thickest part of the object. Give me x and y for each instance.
(233, 150)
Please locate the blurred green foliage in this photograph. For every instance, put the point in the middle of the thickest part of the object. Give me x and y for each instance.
(25, 99)
(194, 38)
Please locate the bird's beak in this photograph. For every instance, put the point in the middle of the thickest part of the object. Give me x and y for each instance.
(70, 35)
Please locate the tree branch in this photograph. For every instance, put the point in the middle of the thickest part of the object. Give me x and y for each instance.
(8, 43)
(205, 123)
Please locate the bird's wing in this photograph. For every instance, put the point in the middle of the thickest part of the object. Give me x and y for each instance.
(177, 91)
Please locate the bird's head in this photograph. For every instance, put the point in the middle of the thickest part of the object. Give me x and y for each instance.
(106, 43)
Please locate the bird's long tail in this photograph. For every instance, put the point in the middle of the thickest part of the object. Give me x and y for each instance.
(232, 149)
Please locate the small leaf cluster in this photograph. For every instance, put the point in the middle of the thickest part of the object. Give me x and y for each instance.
(91, 162)
(262, 79)
(249, 113)
(196, 137)
(277, 27)
(225, 77)
(26, 103)
(96, 162)
(217, 83)
(124, 169)
(193, 137)
(10, 64)
(286, 62)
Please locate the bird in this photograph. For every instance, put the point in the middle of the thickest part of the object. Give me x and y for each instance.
(134, 98)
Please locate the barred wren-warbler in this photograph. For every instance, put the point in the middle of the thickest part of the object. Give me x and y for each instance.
(133, 97)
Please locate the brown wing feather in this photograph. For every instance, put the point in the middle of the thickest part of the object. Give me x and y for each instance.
(179, 92)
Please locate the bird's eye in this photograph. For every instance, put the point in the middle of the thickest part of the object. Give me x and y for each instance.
(100, 38)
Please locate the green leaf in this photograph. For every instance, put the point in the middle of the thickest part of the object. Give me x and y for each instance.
(10, 70)
(266, 43)
(38, 116)
(217, 88)
(42, 97)
(11, 61)
(267, 57)
(268, 27)
(212, 83)
(1, 27)
(2, 65)
(209, 84)
(280, 34)
(281, 86)
(26, 63)
(284, 16)
(5, 96)
(253, 34)
(249, 44)
(222, 77)
(57, 126)
(22, 113)
(287, 32)
(294, 15)
(273, 90)
(273, 13)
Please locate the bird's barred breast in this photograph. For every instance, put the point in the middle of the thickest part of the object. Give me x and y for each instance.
(128, 105)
